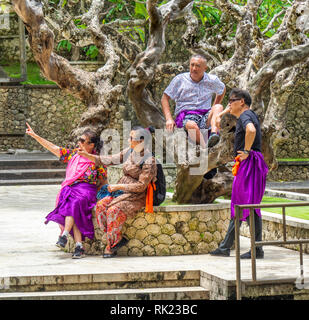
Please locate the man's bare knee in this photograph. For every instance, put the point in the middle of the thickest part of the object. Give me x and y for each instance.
(191, 125)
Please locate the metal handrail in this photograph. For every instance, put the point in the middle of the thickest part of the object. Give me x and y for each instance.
(254, 244)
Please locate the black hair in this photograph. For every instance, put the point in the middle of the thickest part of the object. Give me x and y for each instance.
(145, 134)
(94, 138)
(241, 94)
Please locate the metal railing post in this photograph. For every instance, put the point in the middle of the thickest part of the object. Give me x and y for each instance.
(284, 223)
(253, 248)
(301, 263)
(254, 244)
(237, 252)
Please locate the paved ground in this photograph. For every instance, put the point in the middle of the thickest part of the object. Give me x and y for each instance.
(27, 246)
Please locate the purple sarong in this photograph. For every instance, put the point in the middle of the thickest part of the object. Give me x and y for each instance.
(181, 115)
(76, 201)
(249, 183)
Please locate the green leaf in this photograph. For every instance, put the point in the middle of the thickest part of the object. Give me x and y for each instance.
(203, 19)
(141, 33)
(69, 46)
(140, 9)
(92, 52)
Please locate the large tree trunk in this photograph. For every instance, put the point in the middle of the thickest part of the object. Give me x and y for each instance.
(245, 58)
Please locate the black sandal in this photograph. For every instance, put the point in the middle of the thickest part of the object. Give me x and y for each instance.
(110, 255)
(120, 244)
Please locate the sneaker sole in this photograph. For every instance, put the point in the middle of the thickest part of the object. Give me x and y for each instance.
(213, 142)
(219, 255)
(78, 257)
(60, 246)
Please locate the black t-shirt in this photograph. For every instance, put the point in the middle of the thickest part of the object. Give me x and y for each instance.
(246, 117)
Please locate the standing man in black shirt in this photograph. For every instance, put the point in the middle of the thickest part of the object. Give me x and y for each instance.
(250, 179)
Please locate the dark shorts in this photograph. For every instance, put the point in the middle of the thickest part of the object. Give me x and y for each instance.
(200, 120)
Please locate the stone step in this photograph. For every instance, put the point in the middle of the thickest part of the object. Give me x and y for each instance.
(180, 293)
(17, 182)
(7, 164)
(101, 281)
(20, 174)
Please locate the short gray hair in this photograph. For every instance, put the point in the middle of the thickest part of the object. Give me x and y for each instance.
(198, 56)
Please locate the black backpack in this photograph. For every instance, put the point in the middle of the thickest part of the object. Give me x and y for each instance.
(160, 192)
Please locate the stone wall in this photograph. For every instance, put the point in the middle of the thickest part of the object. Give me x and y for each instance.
(273, 229)
(9, 42)
(189, 229)
(51, 112)
(290, 171)
(170, 230)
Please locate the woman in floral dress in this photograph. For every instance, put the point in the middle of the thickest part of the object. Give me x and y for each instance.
(77, 197)
(139, 169)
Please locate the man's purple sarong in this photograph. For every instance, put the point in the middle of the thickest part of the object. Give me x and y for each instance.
(76, 201)
(181, 116)
(249, 183)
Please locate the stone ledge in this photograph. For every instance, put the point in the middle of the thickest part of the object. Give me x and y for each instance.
(193, 207)
(293, 163)
(290, 221)
(170, 230)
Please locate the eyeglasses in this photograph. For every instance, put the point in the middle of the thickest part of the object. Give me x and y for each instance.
(82, 140)
(135, 139)
(234, 99)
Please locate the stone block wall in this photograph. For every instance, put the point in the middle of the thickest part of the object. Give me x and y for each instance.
(170, 230)
(290, 171)
(51, 112)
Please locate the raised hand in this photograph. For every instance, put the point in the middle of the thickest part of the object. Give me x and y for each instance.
(29, 130)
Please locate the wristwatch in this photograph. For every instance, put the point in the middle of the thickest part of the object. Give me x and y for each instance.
(246, 151)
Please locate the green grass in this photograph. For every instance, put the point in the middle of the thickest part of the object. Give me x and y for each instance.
(293, 159)
(33, 72)
(296, 212)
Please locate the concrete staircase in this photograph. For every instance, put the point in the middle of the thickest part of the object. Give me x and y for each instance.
(169, 285)
(30, 169)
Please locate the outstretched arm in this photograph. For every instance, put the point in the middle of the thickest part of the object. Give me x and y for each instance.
(46, 144)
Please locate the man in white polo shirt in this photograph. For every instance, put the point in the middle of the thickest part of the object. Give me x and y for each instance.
(193, 91)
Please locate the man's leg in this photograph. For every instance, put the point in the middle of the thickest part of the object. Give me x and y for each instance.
(211, 121)
(258, 237)
(195, 133)
(226, 245)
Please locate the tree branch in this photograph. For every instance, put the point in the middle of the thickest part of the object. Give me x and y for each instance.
(143, 68)
(279, 61)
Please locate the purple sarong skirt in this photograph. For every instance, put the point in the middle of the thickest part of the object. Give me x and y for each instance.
(249, 183)
(76, 201)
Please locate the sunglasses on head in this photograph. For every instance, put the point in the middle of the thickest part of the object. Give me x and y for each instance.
(234, 99)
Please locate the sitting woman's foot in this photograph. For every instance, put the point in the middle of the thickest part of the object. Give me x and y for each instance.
(109, 254)
(78, 253)
(120, 244)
